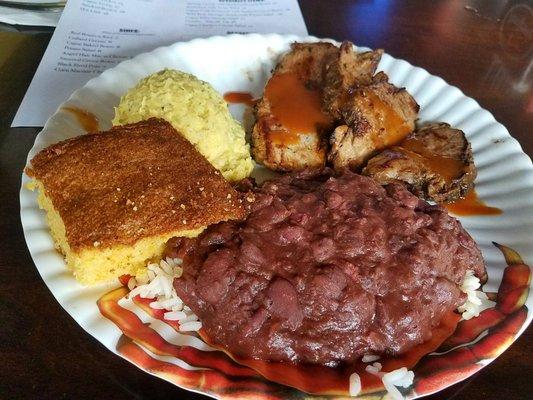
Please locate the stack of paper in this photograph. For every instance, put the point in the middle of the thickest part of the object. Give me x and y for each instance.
(94, 35)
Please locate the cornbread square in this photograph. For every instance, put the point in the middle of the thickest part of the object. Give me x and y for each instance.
(112, 199)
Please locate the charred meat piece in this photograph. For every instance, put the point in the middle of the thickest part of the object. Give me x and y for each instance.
(435, 162)
(308, 61)
(376, 116)
(291, 127)
(346, 72)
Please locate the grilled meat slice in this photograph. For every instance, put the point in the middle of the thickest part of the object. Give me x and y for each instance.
(276, 143)
(380, 77)
(308, 61)
(346, 72)
(435, 162)
(280, 150)
(376, 116)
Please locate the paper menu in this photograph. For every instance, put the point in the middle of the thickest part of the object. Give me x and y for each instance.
(94, 35)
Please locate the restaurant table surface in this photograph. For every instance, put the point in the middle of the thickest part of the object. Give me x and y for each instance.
(483, 47)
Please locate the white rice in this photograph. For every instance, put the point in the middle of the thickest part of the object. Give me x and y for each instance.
(156, 283)
(192, 326)
(156, 306)
(401, 377)
(374, 369)
(132, 283)
(368, 358)
(191, 317)
(175, 315)
(477, 301)
(355, 384)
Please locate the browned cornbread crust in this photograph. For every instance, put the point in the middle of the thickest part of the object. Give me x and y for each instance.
(131, 182)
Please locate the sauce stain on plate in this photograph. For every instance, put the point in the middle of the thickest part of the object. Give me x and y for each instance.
(240, 98)
(471, 205)
(86, 119)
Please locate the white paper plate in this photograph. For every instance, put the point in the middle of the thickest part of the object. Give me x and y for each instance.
(243, 63)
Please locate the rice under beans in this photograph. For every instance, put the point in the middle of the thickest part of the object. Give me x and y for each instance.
(477, 300)
(355, 384)
(400, 377)
(374, 369)
(156, 283)
(370, 358)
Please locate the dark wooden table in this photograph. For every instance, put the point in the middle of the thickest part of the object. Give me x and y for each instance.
(483, 47)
